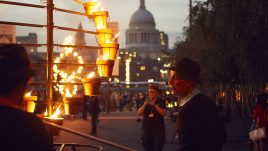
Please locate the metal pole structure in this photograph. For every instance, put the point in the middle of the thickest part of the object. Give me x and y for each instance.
(190, 13)
(50, 43)
(89, 136)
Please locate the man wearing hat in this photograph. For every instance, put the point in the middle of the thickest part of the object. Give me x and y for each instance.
(19, 130)
(153, 111)
(199, 126)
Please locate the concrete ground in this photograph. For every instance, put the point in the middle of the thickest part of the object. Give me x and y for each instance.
(122, 128)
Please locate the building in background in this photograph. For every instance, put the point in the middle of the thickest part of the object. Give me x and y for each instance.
(30, 39)
(142, 59)
(7, 33)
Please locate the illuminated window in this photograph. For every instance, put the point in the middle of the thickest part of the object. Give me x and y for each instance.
(142, 68)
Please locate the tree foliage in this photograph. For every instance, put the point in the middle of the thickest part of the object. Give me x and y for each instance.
(229, 39)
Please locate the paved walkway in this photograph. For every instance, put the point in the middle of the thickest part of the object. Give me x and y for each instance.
(123, 128)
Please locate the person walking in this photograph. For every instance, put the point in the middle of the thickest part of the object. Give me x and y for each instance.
(199, 125)
(153, 111)
(19, 130)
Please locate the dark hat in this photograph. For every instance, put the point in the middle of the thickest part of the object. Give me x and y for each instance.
(187, 69)
(15, 62)
(153, 86)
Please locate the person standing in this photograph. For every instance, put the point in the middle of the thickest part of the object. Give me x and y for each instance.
(94, 110)
(153, 111)
(19, 130)
(199, 125)
(260, 117)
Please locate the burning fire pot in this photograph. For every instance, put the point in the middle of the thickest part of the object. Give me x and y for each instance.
(72, 105)
(101, 19)
(105, 67)
(110, 50)
(90, 7)
(53, 130)
(91, 86)
(104, 35)
(29, 103)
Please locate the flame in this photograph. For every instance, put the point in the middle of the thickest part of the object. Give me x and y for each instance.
(28, 94)
(45, 114)
(67, 93)
(116, 36)
(103, 57)
(91, 75)
(56, 114)
(69, 74)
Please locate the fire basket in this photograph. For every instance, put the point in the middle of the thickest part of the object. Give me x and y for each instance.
(105, 67)
(91, 86)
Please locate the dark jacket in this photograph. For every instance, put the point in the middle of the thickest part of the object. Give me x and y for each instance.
(199, 126)
(23, 131)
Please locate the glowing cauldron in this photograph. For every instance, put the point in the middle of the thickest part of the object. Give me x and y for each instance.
(91, 86)
(109, 50)
(105, 67)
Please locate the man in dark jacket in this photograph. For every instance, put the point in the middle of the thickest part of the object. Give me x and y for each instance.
(19, 130)
(199, 125)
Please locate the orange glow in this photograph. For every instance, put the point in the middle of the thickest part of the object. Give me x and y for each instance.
(67, 74)
(91, 7)
(91, 75)
(115, 37)
(101, 19)
(109, 51)
(105, 67)
(55, 115)
(28, 94)
(104, 36)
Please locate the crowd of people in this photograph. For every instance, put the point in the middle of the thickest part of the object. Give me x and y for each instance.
(199, 123)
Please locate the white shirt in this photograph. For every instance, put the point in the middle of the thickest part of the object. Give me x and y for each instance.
(189, 97)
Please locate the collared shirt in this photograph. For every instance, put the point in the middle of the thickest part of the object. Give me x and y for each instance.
(188, 97)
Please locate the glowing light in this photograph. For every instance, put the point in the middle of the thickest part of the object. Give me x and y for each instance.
(28, 94)
(91, 75)
(67, 74)
(56, 114)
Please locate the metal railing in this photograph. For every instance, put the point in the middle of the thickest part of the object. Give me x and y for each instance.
(49, 61)
(89, 136)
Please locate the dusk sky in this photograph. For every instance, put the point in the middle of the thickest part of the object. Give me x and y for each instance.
(170, 16)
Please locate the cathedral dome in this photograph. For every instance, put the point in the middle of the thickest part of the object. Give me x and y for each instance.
(142, 17)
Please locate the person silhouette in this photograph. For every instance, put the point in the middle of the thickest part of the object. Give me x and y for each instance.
(19, 130)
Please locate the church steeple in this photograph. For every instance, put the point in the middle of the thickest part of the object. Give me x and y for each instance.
(80, 36)
(142, 4)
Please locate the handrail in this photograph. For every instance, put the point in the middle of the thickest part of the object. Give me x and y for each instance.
(58, 45)
(21, 4)
(22, 24)
(89, 136)
(73, 145)
(42, 26)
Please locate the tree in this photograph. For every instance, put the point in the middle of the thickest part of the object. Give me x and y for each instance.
(229, 39)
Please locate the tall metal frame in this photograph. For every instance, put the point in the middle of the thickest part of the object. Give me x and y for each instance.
(49, 58)
(50, 41)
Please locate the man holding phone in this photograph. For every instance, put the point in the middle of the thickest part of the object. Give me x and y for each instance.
(153, 129)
